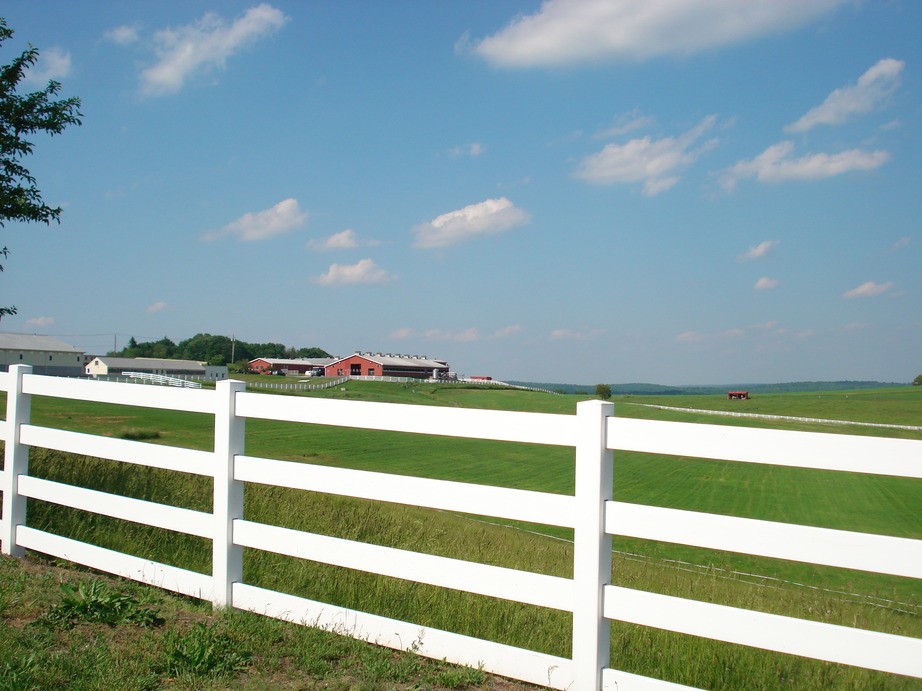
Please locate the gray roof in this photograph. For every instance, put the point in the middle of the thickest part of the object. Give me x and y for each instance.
(140, 364)
(35, 342)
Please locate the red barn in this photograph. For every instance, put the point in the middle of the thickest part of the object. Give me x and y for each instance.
(361, 364)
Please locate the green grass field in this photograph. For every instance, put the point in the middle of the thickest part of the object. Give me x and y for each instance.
(836, 500)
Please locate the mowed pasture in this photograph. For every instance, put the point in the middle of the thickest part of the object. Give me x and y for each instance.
(836, 500)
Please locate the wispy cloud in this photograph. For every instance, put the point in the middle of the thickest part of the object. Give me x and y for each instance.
(872, 91)
(471, 334)
(868, 290)
(507, 332)
(473, 150)
(364, 271)
(568, 335)
(40, 321)
(765, 283)
(654, 162)
(734, 335)
(280, 219)
(53, 63)
(690, 337)
(465, 335)
(203, 46)
(344, 240)
(763, 249)
(156, 307)
(901, 243)
(626, 123)
(567, 32)
(776, 164)
(489, 217)
(124, 35)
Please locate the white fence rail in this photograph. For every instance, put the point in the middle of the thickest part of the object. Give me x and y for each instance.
(591, 512)
(163, 379)
(300, 386)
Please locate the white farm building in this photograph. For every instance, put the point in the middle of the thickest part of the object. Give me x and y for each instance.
(104, 366)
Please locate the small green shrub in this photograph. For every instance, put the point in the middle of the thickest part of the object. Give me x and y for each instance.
(204, 651)
(96, 602)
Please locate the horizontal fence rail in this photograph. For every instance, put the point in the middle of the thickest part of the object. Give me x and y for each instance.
(591, 512)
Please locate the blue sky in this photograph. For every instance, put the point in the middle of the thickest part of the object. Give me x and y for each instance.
(573, 191)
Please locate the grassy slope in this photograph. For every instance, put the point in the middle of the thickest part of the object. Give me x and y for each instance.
(126, 636)
(886, 505)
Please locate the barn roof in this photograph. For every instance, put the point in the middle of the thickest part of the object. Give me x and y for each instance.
(35, 342)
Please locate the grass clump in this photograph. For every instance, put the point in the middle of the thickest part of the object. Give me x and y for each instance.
(137, 434)
(97, 602)
(204, 650)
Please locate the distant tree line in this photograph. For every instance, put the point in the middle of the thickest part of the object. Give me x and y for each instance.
(215, 350)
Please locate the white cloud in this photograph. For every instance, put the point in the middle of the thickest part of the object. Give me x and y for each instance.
(204, 45)
(776, 164)
(901, 243)
(473, 150)
(653, 162)
(690, 337)
(507, 332)
(626, 123)
(766, 284)
(364, 271)
(759, 251)
(566, 32)
(282, 218)
(872, 91)
(343, 240)
(40, 321)
(489, 217)
(868, 290)
(123, 35)
(471, 334)
(568, 335)
(53, 63)
(402, 334)
(156, 307)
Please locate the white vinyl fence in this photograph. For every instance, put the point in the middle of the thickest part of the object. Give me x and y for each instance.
(593, 432)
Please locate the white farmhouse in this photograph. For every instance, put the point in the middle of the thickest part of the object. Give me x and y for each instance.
(182, 369)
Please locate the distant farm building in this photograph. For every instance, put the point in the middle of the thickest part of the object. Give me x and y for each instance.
(47, 355)
(737, 395)
(304, 366)
(115, 366)
(362, 364)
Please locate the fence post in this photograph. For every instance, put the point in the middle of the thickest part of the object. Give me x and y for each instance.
(591, 546)
(15, 460)
(229, 435)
